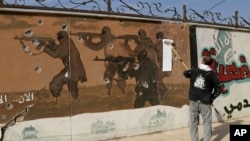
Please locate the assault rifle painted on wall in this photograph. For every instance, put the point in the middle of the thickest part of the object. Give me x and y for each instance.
(88, 35)
(38, 41)
(116, 59)
(127, 37)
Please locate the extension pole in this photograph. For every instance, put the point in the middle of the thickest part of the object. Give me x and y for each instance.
(185, 66)
(169, 42)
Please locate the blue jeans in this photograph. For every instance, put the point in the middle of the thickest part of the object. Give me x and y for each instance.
(205, 110)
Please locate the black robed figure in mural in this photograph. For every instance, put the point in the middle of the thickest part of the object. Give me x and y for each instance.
(73, 70)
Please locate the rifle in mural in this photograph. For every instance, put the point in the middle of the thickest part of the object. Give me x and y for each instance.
(116, 59)
(36, 40)
(17, 118)
(86, 35)
(127, 37)
(89, 35)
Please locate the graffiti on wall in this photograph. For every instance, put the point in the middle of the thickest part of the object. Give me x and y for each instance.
(26, 97)
(230, 109)
(230, 64)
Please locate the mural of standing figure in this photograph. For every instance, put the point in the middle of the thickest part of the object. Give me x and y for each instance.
(154, 53)
(73, 72)
(145, 43)
(160, 74)
(112, 48)
(145, 76)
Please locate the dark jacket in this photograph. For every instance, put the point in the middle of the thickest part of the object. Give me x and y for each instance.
(204, 85)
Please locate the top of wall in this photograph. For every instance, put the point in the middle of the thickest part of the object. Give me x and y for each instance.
(136, 10)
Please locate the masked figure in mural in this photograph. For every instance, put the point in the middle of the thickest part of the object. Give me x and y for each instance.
(105, 38)
(160, 74)
(204, 89)
(145, 76)
(73, 72)
(108, 42)
(154, 53)
(145, 43)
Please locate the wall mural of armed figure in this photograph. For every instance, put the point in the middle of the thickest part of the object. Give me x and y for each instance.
(148, 71)
(73, 70)
(115, 65)
(144, 73)
(115, 55)
(119, 59)
(155, 54)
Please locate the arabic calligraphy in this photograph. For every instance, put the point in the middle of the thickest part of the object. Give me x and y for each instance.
(3, 98)
(227, 73)
(238, 107)
(229, 64)
(26, 97)
(224, 47)
(231, 72)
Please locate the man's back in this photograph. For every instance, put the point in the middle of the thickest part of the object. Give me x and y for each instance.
(202, 85)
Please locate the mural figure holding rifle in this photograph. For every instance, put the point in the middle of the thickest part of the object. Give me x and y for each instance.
(116, 51)
(73, 70)
(155, 54)
(145, 76)
(37, 41)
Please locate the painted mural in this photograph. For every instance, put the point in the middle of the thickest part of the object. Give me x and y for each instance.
(83, 78)
(231, 63)
(78, 76)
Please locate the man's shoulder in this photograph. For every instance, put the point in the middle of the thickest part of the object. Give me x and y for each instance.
(199, 71)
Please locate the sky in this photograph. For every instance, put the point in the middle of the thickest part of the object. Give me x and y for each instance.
(227, 8)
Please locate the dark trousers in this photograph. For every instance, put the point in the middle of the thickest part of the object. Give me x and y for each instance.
(59, 81)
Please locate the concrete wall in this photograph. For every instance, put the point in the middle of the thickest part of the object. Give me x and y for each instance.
(27, 71)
